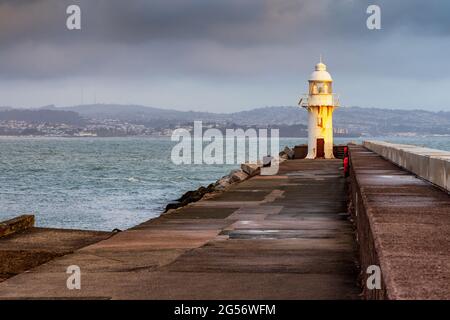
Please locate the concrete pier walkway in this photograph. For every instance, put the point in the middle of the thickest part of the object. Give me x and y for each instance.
(273, 237)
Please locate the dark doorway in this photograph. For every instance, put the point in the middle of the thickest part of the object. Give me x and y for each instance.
(320, 148)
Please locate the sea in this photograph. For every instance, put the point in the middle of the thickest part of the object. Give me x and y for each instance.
(108, 183)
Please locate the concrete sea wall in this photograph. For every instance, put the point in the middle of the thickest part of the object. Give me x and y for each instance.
(15, 225)
(402, 223)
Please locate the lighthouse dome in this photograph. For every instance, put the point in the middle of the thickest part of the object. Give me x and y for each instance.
(321, 73)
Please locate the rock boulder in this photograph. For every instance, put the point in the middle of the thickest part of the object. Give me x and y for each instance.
(252, 169)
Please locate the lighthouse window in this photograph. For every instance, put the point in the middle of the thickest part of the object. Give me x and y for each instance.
(320, 88)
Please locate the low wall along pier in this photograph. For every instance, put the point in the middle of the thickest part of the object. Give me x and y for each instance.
(430, 164)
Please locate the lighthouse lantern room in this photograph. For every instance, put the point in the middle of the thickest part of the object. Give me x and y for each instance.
(320, 103)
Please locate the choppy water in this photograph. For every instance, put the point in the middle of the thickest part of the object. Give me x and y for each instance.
(106, 183)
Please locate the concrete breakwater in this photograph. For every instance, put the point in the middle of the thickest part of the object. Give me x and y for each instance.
(287, 236)
(29, 246)
(268, 237)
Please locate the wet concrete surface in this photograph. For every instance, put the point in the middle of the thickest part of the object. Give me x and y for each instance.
(278, 237)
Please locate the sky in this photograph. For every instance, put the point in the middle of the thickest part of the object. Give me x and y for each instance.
(223, 55)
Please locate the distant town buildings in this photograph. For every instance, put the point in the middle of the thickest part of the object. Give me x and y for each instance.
(118, 128)
(93, 128)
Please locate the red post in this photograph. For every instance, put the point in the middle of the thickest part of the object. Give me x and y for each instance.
(346, 169)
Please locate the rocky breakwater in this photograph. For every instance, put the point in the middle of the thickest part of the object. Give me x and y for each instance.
(246, 171)
(286, 154)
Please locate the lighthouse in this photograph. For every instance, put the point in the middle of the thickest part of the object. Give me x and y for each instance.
(320, 103)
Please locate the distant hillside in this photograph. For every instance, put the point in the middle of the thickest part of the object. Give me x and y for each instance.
(41, 116)
(371, 121)
(138, 113)
(348, 120)
(376, 121)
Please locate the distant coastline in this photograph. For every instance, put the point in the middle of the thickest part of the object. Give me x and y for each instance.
(110, 120)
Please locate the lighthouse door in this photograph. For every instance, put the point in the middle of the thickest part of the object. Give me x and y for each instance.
(320, 148)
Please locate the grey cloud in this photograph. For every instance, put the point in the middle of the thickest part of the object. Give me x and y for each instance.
(232, 22)
(218, 39)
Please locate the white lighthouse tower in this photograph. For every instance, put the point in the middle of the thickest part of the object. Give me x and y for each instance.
(320, 103)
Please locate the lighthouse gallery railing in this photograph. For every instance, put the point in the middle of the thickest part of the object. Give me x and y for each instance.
(305, 99)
